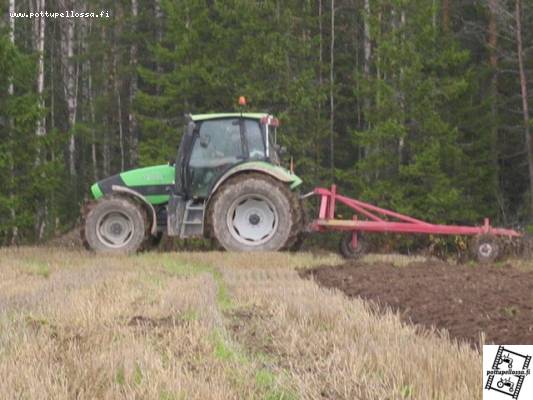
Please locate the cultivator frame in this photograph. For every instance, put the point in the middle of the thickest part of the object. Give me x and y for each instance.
(378, 221)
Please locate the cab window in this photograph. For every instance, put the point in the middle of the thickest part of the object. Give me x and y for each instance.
(254, 139)
(217, 147)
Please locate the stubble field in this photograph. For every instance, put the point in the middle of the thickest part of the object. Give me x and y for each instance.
(210, 326)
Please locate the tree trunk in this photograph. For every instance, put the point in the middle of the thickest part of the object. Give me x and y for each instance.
(40, 22)
(93, 121)
(401, 141)
(331, 93)
(132, 121)
(366, 40)
(492, 44)
(69, 86)
(367, 54)
(446, 15)
(525, 102)
(116, 89)
(11, 91)
(105, 67)
(159, 36)
(87, 92)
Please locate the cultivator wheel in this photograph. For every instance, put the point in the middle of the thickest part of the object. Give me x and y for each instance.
(348, 250)
(486, 248)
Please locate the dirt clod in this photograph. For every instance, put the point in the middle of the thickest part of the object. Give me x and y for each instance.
(464, 300)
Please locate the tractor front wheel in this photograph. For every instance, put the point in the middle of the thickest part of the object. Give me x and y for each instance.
(115, 225)
(252, 212)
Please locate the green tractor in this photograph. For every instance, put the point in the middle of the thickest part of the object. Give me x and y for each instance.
(227, 183)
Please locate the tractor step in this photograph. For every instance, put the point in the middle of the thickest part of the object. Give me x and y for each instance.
(193, 220)
(185, 217)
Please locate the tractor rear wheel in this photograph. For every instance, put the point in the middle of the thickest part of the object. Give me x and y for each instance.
(253, 212)
(115, 225)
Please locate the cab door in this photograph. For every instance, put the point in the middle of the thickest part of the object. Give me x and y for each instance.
(217, 147)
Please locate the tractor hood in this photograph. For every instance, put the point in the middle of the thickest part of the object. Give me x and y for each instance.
(154, 183)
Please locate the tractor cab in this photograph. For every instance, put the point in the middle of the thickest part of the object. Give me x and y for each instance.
(214, 143)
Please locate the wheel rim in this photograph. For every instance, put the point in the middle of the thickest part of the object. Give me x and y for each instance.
(485, 250)
(252, 219)
(348, 244)
(114, 229)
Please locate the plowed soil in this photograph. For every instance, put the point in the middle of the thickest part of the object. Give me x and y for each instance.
(464, 300)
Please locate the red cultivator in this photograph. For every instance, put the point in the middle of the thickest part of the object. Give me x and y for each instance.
(486, 245)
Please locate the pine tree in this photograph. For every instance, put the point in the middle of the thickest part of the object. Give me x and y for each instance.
(413, 162)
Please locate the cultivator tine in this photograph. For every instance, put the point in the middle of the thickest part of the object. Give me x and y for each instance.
(521, 247)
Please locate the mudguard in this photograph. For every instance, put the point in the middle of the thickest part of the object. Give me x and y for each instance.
(275, 171)
(140, 197)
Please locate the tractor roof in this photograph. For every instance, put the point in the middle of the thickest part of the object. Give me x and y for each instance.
(203, 117)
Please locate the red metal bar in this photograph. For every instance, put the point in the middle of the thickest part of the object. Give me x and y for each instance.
(354, 235)
(364, 212)
(326, 220)
(405, 227)
(384, 211)
(332, 196)
(486, 226)
(323, 206)
(353, 202)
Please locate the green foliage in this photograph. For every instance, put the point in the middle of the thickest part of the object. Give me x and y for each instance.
(213, 52)
(28, 173)
(412, 159)
(18, 115)
(419, 128)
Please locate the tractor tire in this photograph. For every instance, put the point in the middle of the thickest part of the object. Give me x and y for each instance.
(348, 251)
(152, 242)
(254, 212)
(115, 224)
(486, 248)
(297, 240)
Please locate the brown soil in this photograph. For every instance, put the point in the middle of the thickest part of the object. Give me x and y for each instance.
(71, 239)
(464, 300)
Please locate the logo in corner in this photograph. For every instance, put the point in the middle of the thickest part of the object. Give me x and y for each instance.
(507, 372)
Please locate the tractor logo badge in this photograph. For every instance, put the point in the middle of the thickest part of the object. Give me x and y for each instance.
(507, 372)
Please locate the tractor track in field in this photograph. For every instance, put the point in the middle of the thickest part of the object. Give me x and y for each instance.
(464, 300)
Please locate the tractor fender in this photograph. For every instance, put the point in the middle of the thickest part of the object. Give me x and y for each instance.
(276, 172)
(144, 201)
